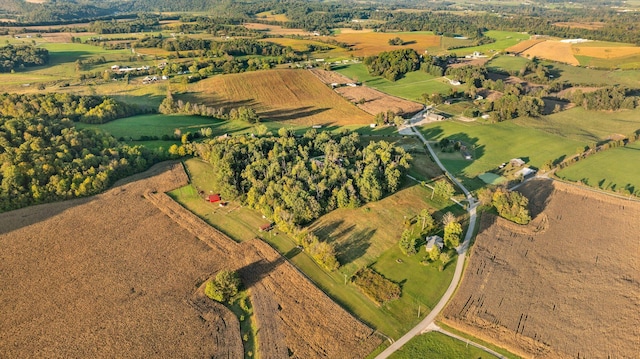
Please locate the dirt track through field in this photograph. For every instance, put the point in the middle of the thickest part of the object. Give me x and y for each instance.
(121, 275)
(567, 285)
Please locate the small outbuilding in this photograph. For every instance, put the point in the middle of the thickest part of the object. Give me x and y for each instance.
(266, 227)
(214, 198)
(434, 241)
(516, 162)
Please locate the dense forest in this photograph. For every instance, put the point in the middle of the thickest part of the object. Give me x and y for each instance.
(87, 109)
(14, 57)
(293, 180)
(45, 160)
(392, 65)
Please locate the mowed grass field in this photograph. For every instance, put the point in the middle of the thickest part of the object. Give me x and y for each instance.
(495, 144)
(587, 126)
(160, 125)
(290, 97)
(507, 63)
(504, 39)
(584, 76)
(615, 169)
(411, 86)
(356, 243)
(434, 345)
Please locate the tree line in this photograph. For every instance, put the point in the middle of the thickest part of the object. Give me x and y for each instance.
(48, 159)
(14, 57)
(87, 109)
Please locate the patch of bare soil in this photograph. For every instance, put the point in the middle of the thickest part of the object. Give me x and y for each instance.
(373, 101)
(567, 285)
(470, 62)
(121, 275)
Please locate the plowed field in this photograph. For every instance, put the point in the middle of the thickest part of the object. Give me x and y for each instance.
(565, 286)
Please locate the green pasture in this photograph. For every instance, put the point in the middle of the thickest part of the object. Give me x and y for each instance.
(504, 39)
(493, 144)
(491, 178)
(584, 125)
(584, 76)
(411, 86)
(436, 346)
(616, 169)
(392, 319)
(507, 63)
(159, 125)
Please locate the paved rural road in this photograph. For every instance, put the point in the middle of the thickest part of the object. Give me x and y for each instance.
(462, 249)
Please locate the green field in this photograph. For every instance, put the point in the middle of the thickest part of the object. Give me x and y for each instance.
(392, 319)
(411, 86)
(586, 126)
(504, 39)
(436, 345)
(584, 76)
(507, 63)
(495, 144)
(159, 125)
(615, 169)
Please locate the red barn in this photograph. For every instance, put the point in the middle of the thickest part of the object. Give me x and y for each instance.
(213, 198)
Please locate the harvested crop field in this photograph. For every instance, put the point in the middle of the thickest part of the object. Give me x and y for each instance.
(523, 45)
(331, 77)
(288, 96)
(276, 29)
(372, 43)
(553, 50)
(606, 52)
(120, 274)
(567, 285)
(376, 101)
(108, 276)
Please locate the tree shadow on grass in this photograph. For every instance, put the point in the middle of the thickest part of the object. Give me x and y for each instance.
(291, 114)
(355, 246)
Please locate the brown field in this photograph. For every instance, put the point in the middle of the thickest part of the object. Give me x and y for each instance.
(296, 44)
(120, 275)
(366, 43)
(107, 276)
(288, 96)
(567, 285)
(523, 45)
(595, 25)
(470, 62)
(606, 52)
(276, 29)
(553, 50)
(330, 77)
(348, 30)
(376, 101)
